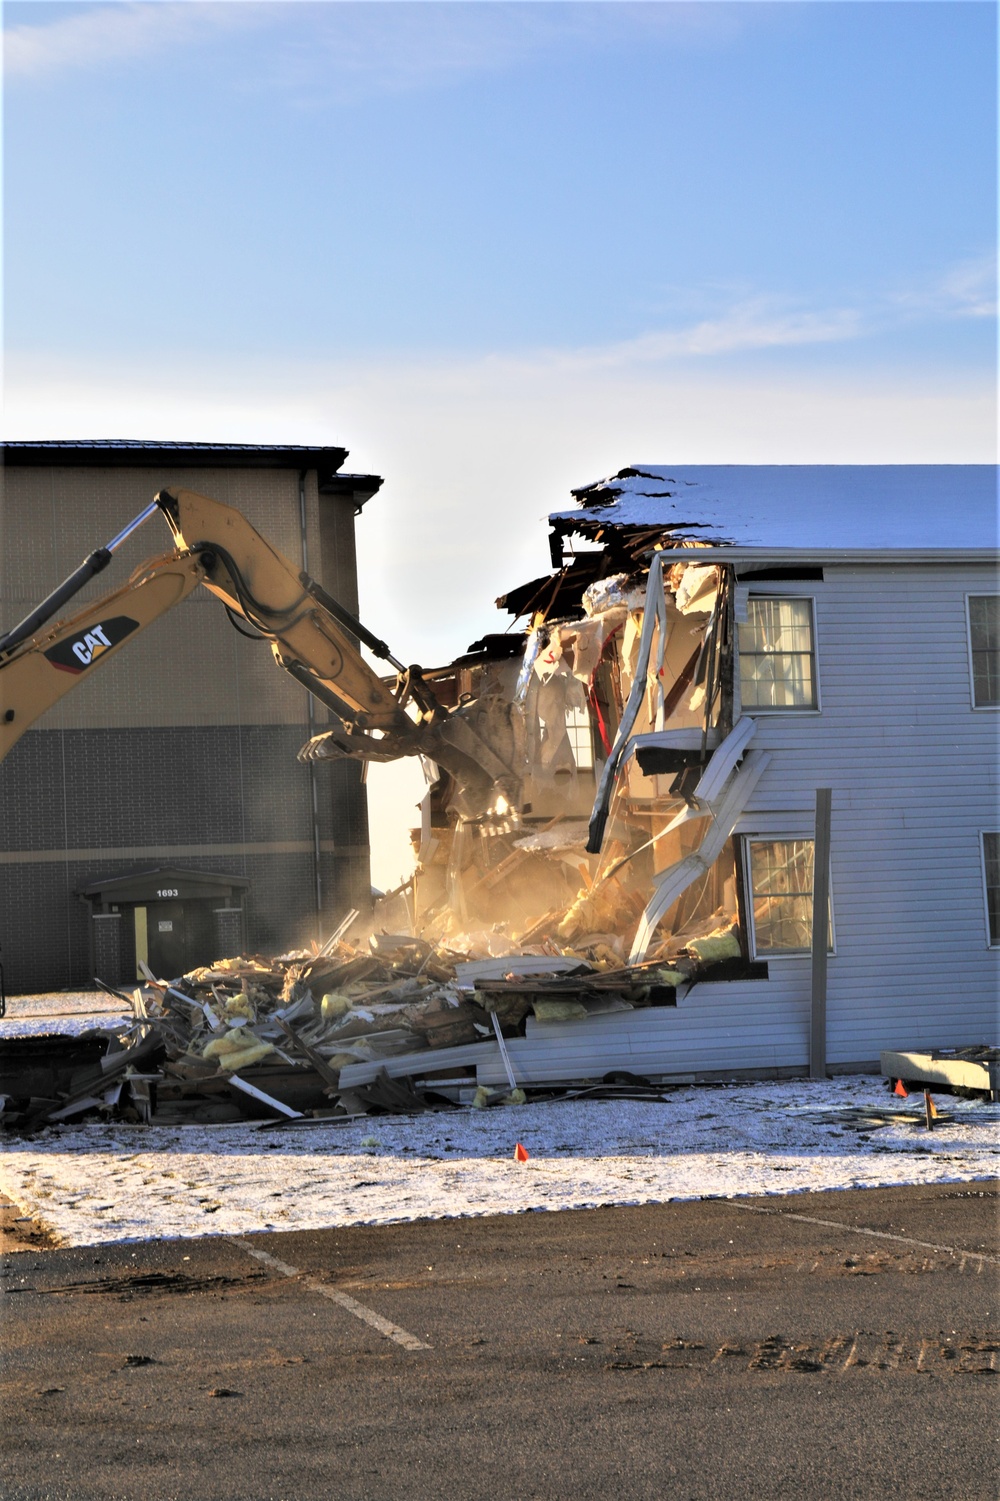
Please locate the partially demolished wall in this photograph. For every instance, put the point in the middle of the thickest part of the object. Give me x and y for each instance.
(615, 843)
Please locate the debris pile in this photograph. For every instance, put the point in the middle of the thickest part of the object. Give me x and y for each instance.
(576, 856)
(628, 771)
(258, 1037)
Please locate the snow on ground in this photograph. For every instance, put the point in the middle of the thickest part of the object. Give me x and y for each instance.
(97, 1183)
(66, 1012)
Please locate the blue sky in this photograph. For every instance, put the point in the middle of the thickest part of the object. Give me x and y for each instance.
(498, 250)
(626, 183)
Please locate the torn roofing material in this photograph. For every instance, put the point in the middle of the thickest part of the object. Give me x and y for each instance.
(822, 506)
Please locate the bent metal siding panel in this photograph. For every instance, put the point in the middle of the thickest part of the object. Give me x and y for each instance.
(740, 1025)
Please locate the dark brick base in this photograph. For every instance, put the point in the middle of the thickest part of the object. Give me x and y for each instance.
(164, 788)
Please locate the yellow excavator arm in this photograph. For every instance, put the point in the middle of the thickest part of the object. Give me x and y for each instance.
(312, 637)
(46, 666)
(308, 629)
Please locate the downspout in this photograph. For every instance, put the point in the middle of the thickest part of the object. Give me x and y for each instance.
(727, 649)
(311, 714)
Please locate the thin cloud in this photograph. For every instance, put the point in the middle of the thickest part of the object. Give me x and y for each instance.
(968, 290)
(120, 33)
(751, 325)
(392, 47)
(349, 49)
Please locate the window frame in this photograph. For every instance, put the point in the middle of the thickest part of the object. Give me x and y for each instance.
(970, 596)
(747, 891)
(755, 709)
(986, 892)
(584, 727)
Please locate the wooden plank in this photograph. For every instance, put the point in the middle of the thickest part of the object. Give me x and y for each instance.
(319, 1063)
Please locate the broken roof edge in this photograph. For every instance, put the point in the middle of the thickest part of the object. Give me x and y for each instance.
(745, 553)
(884, 507)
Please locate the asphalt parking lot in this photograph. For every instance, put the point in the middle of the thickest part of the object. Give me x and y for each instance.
(826, 1345)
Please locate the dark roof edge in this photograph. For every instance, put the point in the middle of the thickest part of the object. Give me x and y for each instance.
(358, 488)
(177, 872)
(138, 454)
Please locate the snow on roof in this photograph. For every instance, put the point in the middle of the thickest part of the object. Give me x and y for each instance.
(821, 506)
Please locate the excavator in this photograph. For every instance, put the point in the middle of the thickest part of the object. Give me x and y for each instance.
(312, 637)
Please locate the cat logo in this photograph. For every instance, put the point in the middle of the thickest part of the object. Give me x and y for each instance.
(79, 651)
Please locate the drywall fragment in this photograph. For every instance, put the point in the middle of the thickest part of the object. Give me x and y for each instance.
(654, 614)
(697, 590)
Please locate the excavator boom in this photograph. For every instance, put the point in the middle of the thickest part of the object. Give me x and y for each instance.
(40, 670)
(312, 637)
(256, 582)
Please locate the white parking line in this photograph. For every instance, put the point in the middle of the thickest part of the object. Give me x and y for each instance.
(905, 1240)
(391, 1331)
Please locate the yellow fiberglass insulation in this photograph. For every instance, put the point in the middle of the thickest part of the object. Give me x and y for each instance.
(235, 1049)
(239, 1005)
(559, 1011)
(335, 1004)
(232, 1062)
(722, 944)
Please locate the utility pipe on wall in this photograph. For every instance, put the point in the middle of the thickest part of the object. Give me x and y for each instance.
(311, 714)
(820, 933)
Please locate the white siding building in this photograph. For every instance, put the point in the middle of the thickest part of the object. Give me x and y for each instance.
(857, 625)
(902, 726)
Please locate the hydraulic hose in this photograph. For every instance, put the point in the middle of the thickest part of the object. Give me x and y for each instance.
(87, 570)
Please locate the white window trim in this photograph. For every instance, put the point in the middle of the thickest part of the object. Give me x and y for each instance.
(976, 708)
(755, 709)
(986, 900)
(767, 955)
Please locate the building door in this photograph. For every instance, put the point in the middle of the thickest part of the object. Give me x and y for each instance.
(179, 936)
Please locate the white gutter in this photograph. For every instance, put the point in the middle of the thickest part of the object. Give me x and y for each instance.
(831, 556)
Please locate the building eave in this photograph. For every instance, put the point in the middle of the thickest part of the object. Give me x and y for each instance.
(134, 453)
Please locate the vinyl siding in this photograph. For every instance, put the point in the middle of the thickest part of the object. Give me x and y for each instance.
(913, 768)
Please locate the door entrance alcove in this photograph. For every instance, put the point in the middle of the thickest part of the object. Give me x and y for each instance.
(172, 920)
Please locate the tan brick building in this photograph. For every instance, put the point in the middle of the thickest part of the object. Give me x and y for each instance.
(159, 809)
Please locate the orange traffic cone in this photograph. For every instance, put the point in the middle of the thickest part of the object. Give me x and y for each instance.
(901, 1090)
(520, 1153)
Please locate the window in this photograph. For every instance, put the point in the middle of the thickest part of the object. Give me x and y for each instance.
(984, 648)
(781, 894)
(580, 738)
(991, 875)
(777, 658)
